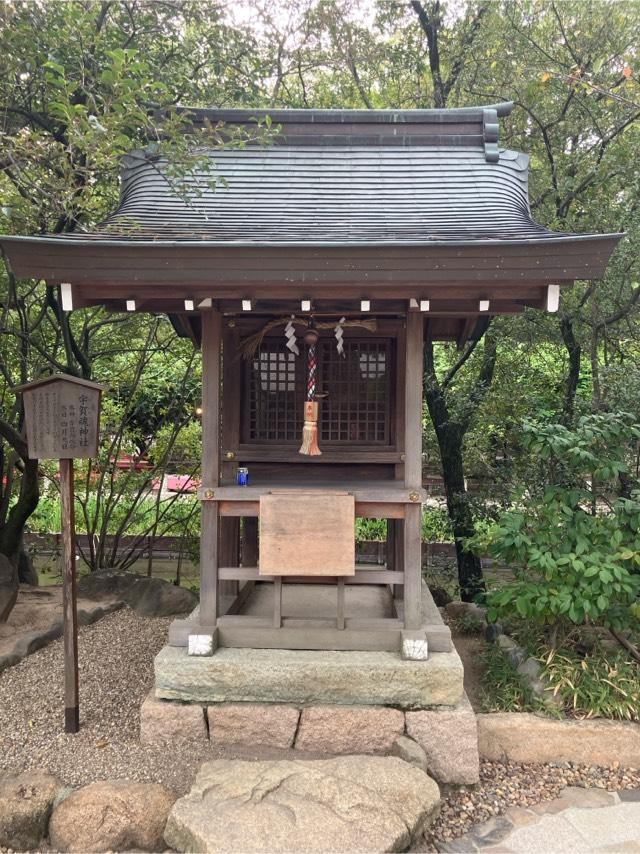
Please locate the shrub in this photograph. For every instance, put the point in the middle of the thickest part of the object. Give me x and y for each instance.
(574, 551)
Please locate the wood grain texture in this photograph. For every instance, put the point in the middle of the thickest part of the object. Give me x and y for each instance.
(361, 576)
(71, 693)
(412, 549)
(209, 536)
(308, 533)
(61, 419)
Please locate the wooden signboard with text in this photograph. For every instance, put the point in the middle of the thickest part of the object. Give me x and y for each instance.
(62, 416)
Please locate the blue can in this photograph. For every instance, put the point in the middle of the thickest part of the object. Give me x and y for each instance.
(242, 477)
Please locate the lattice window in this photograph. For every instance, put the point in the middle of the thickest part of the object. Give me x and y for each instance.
(276, 395)
(356, 408)
(357, 389)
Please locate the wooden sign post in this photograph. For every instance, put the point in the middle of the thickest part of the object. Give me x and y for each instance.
(62, 416)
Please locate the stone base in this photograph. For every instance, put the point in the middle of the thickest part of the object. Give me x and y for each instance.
(171, 722)
(442, 741)
(309, 676)
(449, 738)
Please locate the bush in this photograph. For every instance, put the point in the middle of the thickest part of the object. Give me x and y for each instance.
(574, 551)
(436, 527)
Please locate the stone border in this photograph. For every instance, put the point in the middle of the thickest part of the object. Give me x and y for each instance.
(442, 740)
(30, 642)
(526, 737)
(495, 833)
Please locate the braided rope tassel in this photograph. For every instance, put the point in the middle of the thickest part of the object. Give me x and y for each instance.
(309, 445)
(312, 369)
(339, 333)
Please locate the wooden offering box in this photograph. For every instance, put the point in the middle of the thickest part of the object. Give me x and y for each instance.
(307, 533)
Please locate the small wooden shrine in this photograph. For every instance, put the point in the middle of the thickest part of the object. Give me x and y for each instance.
(311, 276)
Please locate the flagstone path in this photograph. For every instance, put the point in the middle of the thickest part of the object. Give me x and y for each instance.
(577, 822)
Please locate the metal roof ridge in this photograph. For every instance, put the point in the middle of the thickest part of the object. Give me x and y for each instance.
(341, 115)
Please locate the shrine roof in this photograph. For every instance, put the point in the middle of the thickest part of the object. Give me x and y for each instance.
(334, 178)
(384, 204)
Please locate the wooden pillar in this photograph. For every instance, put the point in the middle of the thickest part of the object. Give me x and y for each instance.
(71, 699)
(413, 471)
(229, 439)
(209, 535)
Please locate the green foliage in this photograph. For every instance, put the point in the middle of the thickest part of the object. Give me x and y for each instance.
(575, 552)
(599, 684)
(436, 527)
(181, 450)
(139, 518)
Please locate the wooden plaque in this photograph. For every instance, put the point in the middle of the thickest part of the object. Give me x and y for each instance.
(61, 417)
(307, 533)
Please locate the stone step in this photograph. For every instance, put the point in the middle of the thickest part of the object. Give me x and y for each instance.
(346, 804)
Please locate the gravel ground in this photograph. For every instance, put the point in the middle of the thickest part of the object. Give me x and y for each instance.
(116, 673)
(503, 785)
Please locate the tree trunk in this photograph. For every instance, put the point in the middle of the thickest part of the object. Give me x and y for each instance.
(11, 537)
(450, 440)
(450, 432)
(573, 376)
(450, 435)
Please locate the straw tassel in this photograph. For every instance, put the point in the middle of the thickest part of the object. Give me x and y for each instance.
(309, 445)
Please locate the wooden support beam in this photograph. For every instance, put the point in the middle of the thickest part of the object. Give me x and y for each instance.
(228, 551)
(70, 611)
(413, 470)
(211, 339)
(340, 618)
(362, 576)
(412, 553)
(277, 602)
(290, 637)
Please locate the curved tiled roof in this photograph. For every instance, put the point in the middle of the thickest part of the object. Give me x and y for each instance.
(412, 203)
(290, 193)
(335, 177)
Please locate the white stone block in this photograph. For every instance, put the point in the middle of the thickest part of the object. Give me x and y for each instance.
(201, 645)
(415, 646)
